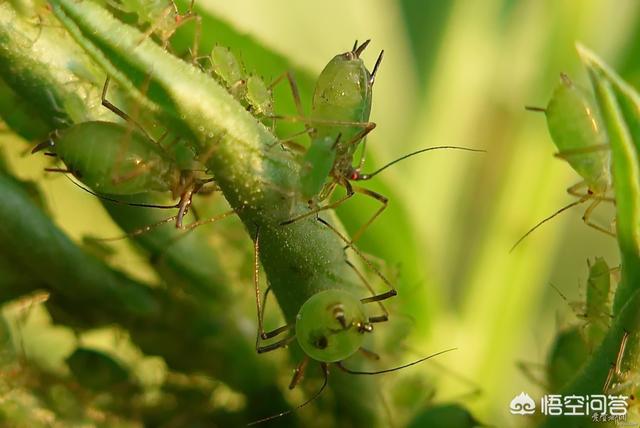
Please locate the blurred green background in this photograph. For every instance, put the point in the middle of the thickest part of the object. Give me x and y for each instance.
(454, 73)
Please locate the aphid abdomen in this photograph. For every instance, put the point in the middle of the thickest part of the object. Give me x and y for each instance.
(112, 159)
(342, 93)
(330, 325)
(576, 129)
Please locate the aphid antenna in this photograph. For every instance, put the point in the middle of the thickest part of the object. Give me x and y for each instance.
(417, 152)
(117, 201)
(543, 221)
(536, 109)
(325, 372)
(404, 366)
(357, 51)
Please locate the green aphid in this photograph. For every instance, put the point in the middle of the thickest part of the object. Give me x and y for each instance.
(330, 326)
(577, 130)
(259, 97)
(598, 303)
(113, 159)
(339, 122)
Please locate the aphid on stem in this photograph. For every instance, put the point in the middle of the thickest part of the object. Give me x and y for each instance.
(339, 121)
(576, 129)
(250, 90)
(114, 159)
(330, 326)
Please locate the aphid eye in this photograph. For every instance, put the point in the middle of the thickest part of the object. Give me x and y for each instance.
(321, 343)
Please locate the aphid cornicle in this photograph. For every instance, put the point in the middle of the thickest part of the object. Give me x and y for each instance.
(576, 129)
(339, 121)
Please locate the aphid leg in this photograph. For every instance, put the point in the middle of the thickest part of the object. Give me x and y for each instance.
(187, 229)
(385, 314)
(60, 170)
(575, 191)
(293, 85)
(295, 94)
(623, 345)
(378, 197)
(142, 167)
(566, 154)
(367, 126)
(298, 373)
(259, 307)
(615, 368)
(586, 217)
(113, 108)
(186, 198)
(329, 206)
(376, 297)
(289, 143)
(141, 231)
(546, 219)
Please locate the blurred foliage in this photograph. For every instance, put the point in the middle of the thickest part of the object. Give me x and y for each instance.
(454, 72)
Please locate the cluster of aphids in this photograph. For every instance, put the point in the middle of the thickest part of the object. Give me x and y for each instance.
(124, 159)
(577, 341)
(249, 89)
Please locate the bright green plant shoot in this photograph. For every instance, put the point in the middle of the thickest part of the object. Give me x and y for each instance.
(576, 129)
(96, 154)
(340, 121)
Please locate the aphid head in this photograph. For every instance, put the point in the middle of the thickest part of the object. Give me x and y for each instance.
(330, 325)
(343, 89)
